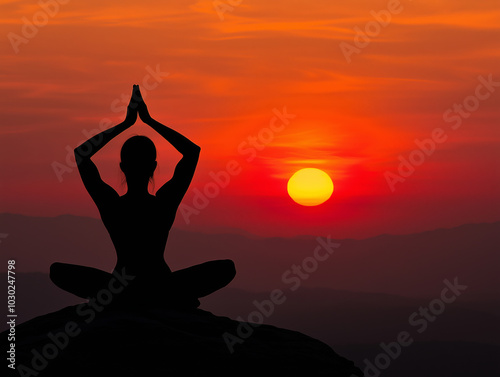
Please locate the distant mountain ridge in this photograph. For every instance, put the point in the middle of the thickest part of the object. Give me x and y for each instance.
(6, 216)
(388, 313)
(405, 265)
(360, 296)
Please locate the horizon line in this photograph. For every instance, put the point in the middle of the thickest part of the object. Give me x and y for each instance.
(249, 234)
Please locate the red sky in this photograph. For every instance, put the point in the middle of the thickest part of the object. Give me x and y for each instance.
(356, 116)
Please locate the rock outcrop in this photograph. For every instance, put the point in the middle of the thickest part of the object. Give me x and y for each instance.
(81, 341)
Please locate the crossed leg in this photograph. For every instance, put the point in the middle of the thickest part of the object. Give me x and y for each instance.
(189, 283)
(81, 281)
(205, 278)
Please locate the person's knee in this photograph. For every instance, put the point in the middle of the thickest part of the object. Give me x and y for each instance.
(230, 268)
(56, 271)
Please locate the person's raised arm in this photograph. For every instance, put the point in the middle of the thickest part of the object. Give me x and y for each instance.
(185, 146)
(174, 190)
(96, 187)
(87, 149)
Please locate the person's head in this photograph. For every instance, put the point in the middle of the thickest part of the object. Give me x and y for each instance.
(138, 159)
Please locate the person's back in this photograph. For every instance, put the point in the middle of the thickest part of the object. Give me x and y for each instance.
(139, 228)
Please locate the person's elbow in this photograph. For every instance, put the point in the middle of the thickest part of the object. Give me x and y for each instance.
(196, 149)
(80, 156)
(191, 151)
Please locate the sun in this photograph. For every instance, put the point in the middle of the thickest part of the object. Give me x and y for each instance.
(310, 187)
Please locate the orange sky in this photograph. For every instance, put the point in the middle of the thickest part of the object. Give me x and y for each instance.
(355, 115)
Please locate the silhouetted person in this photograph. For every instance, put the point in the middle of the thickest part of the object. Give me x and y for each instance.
(139, 223)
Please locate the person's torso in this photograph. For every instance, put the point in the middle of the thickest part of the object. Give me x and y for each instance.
(139, 229)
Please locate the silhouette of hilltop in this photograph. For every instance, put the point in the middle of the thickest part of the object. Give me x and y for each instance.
(80, 341)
